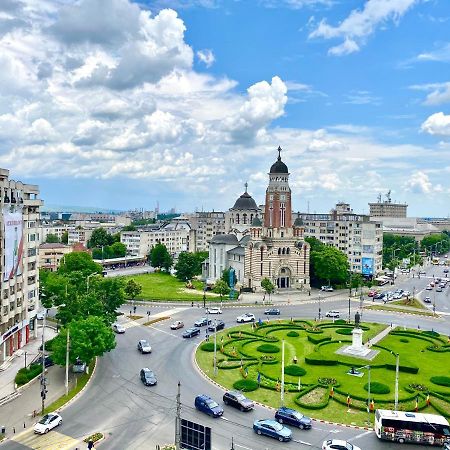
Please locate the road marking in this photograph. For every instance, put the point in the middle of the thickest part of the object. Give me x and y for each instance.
(360, 435)
(301, 442)
(52, 440)
(243, 446)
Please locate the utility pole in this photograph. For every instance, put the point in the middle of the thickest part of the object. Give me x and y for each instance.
(282, 373)
(397, 363)
(368, 400)
(215, 347)
(43, 381)
(178, 420)
(67, 361)
(349, 297)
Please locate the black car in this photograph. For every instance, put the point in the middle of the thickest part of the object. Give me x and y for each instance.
(219, 325)
(379, 296)
(191, 332)
(202, 322)
(148, 377)
(272, 312)
(292, 417)
(238, 400)
(48, 361)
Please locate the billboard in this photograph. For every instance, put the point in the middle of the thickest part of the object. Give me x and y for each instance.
(195, 436)
(367, 266)
(13, 232)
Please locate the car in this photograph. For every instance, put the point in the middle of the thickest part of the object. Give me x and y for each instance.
(143, 346)
(217, 325)
(272, 312)
(40, 315)
(406, 293)
(442, 285)
(79, 366)
(429, 288)
(247, 317)
(422, 272)
(327, 288)
(431, 283)
(47, 423)
(427, 300)
(48, 361)
(238, 400)
(290, 416)
(333, 314)
(148, 377)
(372, 293)
(214, 310)
(379, 296)
(399, 291)
(118, 328)
(273, 429)
(208, 406)
(177, 325)
(438, 289)
(338, 444)
(397, 296)
(445, 270)
(191, 332)
(202, 322)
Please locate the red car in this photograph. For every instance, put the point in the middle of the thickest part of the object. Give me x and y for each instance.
(372, 293)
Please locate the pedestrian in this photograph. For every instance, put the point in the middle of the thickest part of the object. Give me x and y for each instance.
(134, 309)
(90, 444)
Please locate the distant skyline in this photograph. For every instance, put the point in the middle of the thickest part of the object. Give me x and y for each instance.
(115, 104)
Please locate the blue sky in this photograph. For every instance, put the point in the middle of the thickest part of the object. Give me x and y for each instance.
(114, 104)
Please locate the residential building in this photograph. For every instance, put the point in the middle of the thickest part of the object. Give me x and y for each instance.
(388, 208)
(50, 255)
(206, 225)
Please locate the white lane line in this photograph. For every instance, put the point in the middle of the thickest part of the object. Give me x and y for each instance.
(243, 446)
(301, 442)
(360, 435)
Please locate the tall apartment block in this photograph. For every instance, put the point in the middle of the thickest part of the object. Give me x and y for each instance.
(19, 241)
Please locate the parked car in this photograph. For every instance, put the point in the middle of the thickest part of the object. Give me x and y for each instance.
(191, 332)
(293, 417)
(379, 296)
(327, 288)
(214, 310)
(217, 325)
(118, 328)
(177, 325)
(333, 314)
(338, 444)
(247, 317)
(47, 423)
(372, 293)
(202, 322)
(79, 366)
(238, 400)
(445, 270)
(273, 429)
(40, 315)
(427, 300)
(439, 289)
(207, 405)
(429, 288)
(272, 312)
(148, 377)
(397, 296)
(406, 293)
(48, 361)
(144, 347)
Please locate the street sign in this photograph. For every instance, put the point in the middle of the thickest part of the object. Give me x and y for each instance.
(195, 436)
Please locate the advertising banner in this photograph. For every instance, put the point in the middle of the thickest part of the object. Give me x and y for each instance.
(13, 232)
(367, 266)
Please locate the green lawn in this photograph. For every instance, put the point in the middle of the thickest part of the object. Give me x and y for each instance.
(245, 346)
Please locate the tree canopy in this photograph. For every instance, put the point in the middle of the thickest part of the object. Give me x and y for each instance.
(65, 237)
(100, 237)
(226, 277)
(267, 286)
(221, 288)
(160, 257)
(132, 289)
(189, 265)
(79, 261)
(51, 239)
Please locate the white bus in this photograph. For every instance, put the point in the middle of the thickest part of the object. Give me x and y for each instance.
(417, 428)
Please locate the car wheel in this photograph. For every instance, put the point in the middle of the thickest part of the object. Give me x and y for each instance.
(301, 427)
(280, 420)
(242, 409)
(258, 432)
(46, 431)
(401, 441)
(280, 439)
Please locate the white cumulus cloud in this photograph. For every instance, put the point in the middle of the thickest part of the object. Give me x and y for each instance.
(206, 57)
(437, 124)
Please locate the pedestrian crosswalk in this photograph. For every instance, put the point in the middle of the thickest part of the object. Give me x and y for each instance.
(50, 441)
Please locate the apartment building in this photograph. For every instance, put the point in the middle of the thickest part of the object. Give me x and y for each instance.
(354, 234)
(57, 230)
(19, 229)
(206, 225)
(79, 235)
(50, 255)
(388, 208)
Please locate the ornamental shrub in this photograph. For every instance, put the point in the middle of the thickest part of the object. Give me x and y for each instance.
(208, 347)
(317, 339)
(292, 334)
(441, 380)
(245, 385)
(268, 348)
(345, 331)
(404, 340)
(377, 388)
(295, 371)
(431, 333)
(340, 321)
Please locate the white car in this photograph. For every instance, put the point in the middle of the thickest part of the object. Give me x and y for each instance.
(333, 314)
(40, 315)
(48, 422)
(337, 444)
(427, 300)
(247, 317)
(327, 288)
(120, 329)
(406, 293)
(214, 310)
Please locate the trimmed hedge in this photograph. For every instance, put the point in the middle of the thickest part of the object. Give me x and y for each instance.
(293, 334)
(268, 348)
(208, 347)
(344, 331)
(401, 368)
(318, 340)
(245, 385)
(441, 380)
(295, 371)
(404, 340)
(320, 362)
(25, 375)
(431, 333)
(377, 388)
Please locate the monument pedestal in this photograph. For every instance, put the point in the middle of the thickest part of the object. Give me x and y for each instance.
(357, 349)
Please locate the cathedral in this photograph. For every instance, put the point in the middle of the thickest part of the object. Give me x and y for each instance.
(262, 242)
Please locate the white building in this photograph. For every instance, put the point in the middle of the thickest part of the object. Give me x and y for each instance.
(19, 289)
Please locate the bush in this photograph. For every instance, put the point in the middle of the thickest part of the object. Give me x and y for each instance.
(441, 380)
(207, 347)
(268, 348)
(320, 362)
(246, 385)
(318, 340)
(21, 379)
(25, 375)
(292, 334)
(340, 321)
(377, 388)
(345, 331)
(295, 371)
(94, 437)
(404, 340)
(431, 333)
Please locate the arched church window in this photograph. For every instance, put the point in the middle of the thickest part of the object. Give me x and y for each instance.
(287, 251)
(279, 251)
(262, 253)
(237, 218)
(244, 218)
(283, 251)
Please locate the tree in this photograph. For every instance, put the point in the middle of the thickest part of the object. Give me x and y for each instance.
(65, 237)
(129, 228)
(329, 265)
(52, 239)
(187, 266)
(132, 289)
(89, 337)
(221, 288)
(100, 237)
(267, 286)
(160, 257)
(314, 244)
(118, 250)
(79, 261)
(226, 277)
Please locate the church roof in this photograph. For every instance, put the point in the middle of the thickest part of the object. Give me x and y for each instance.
(224, 239)
(256, 222)
(298, 222)
(279, 166)
(245, 201)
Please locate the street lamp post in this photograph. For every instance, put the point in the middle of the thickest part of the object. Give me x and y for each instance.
(204, 295)
(87, 280)
(215, 347)
(43, 380)
(349, 297)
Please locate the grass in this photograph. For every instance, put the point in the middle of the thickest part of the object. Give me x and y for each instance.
(81, 382)
(411, 303)
(431, 363)
(400, 310)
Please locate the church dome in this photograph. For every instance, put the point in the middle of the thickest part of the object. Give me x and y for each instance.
(245, 201)
(279, 166)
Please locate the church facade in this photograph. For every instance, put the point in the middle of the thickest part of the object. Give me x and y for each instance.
(263, 245)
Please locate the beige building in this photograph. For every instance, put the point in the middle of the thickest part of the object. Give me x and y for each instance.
(50, 255)
(206, 225)
(79, 235)
(19, 229)
(57, 230)
(388, 208)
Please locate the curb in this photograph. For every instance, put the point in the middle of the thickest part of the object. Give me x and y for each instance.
(436, 317)
(271, 408)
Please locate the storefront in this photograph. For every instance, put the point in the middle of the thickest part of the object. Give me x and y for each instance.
(14, 339)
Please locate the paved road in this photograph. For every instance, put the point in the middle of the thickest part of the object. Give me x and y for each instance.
(137, 417)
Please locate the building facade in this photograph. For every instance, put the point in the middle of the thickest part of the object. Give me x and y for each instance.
(388, 208)
(50, 255)
(20, 238)
(206, 224)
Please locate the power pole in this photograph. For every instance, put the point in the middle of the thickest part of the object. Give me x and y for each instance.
(43, 380)
(178, 420)
(67, 361)
(397, 364)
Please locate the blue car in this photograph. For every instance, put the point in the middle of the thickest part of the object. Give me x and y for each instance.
(207, 405)
(273, 429)
(191, 332)
(202, 322)
(293, 417)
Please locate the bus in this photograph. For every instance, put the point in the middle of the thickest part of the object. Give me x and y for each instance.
(417, 428)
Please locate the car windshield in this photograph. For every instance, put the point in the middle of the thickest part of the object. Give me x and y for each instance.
(276, 426)
(297, 415)
(212, 404)
(349, 446)
(144, 343)
(45, 420)
(149, 374)
(240, 397)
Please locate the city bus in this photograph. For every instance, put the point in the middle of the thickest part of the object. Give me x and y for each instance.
(417, 428)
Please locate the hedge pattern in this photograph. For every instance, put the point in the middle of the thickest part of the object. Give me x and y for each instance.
(441, 380)
(377, 388)
(295, 371)
(268, 348)
(245, 385)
